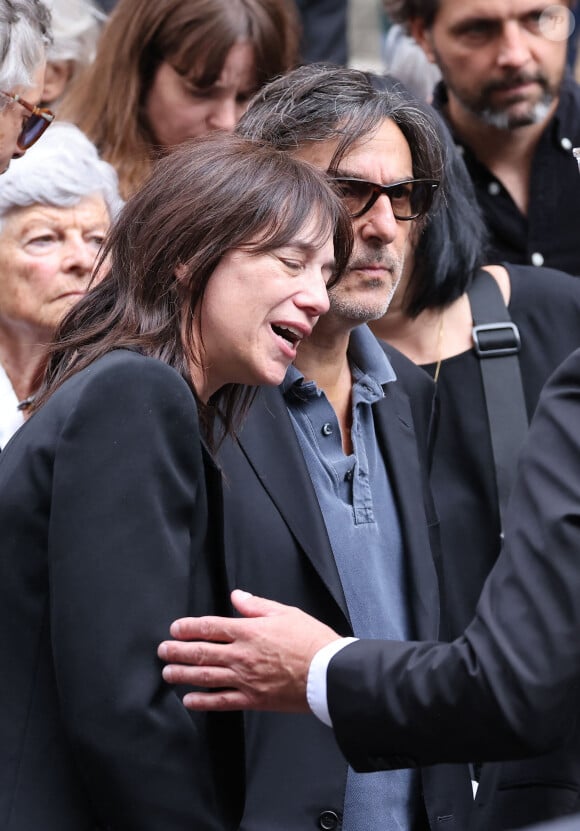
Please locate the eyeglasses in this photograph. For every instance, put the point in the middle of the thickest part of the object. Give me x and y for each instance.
(35, 125)
(409, 199)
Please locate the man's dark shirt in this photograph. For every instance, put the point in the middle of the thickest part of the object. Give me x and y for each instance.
(550, 234)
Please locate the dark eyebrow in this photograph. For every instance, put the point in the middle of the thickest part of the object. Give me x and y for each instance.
(464, 25)
(308, 246)
(344, 173)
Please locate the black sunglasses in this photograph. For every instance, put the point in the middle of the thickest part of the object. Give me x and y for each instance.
(37, 122)
(409, 199)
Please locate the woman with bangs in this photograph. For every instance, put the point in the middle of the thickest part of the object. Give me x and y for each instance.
(170, 70)
(211, 277)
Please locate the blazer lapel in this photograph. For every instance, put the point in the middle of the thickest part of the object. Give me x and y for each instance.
(269, 443)
(396, 436)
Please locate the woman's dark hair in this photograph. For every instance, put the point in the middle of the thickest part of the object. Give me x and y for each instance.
(404, 11)
(452, 243)
(214, 194)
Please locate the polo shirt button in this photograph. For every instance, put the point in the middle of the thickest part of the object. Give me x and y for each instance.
(537, 259)
(566, 144)
(328, 820)
(349, 475)
(326, 429)
(493, 188)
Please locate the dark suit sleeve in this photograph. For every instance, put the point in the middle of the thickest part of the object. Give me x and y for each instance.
(127, 516)
(510, 685)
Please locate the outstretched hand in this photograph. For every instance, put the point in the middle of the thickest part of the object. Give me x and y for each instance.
(260, 662)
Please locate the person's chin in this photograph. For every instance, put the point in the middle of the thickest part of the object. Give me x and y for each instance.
(268, 374)
(515, 109)
(275, 375)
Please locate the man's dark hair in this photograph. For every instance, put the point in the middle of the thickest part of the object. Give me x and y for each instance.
(319, 103)
(403, 11)
(451, 246)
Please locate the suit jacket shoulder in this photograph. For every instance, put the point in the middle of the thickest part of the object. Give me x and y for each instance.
(102, 517)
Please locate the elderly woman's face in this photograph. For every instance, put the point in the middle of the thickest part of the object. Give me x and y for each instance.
(46, 258)
(14, 115)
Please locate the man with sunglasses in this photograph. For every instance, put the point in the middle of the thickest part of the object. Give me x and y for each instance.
(326, 503)
(24, 36)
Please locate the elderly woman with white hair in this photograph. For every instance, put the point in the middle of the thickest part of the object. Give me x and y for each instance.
(76, 26)
(24, 37)
(56, 206)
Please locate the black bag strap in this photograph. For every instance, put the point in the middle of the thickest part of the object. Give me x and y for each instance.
(497, 343)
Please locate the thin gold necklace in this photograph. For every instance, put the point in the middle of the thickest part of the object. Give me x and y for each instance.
(439, 348)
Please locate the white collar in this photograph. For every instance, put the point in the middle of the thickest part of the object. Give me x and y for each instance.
(11, 418)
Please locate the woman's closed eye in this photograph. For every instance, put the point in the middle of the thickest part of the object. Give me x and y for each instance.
(198, 92)
(294, 265)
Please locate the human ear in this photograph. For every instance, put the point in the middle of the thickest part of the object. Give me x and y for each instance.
(424, 37)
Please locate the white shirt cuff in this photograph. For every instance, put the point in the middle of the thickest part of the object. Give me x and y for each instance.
(316, 693)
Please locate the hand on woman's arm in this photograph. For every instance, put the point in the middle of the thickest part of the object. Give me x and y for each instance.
(262, 660)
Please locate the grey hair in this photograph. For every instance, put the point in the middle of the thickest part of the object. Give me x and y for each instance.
(76, 26)
(60, 170)
(317, 103)
(404, 58)
(25, 33)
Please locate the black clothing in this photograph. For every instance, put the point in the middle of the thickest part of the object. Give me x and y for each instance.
(324, 30)
(103, 521)
(545, 305)
(510, 685)
(548, 235)
(276, 545)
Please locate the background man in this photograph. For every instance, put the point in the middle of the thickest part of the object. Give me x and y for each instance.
(515, 113)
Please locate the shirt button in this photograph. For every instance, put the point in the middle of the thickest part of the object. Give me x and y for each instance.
(328, 820)
(493, 188)
(566, 144)
(348, 475)
(537, 259)
(326, 429)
